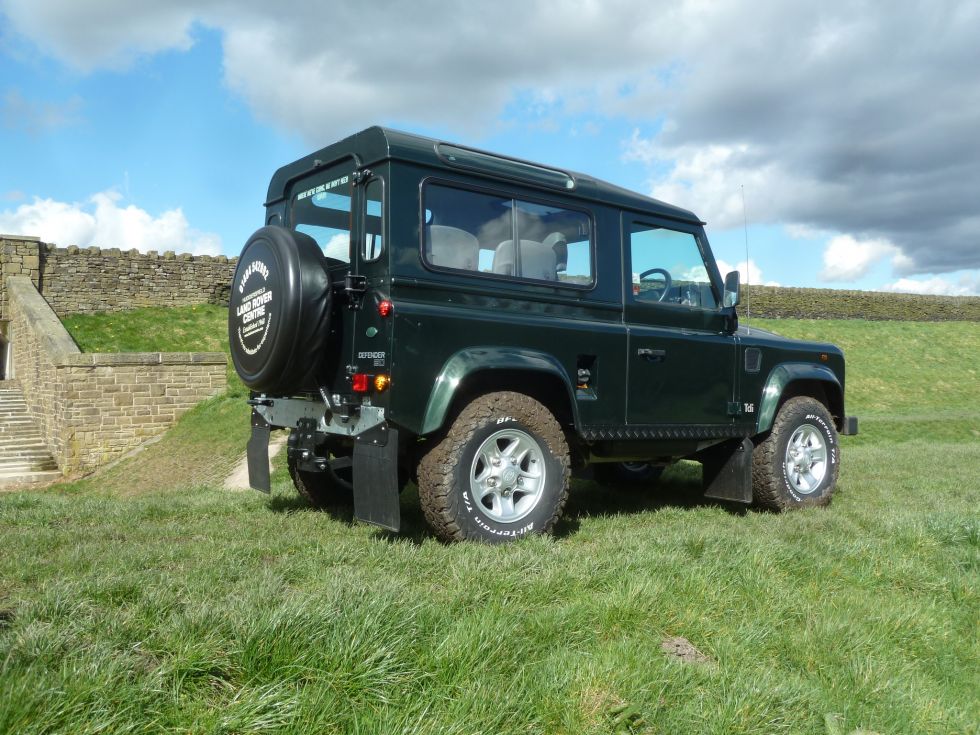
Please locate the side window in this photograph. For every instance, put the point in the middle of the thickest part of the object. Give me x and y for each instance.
(668, 268)
(463, 227)
(321, 208)
(546, 231)
(486, 233)
(373, 220)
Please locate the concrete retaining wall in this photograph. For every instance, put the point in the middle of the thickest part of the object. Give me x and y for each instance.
(93, 408)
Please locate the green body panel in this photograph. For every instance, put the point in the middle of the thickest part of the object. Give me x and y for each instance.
(467, 362)
(437, 325)
(694, 382)
(781, 377)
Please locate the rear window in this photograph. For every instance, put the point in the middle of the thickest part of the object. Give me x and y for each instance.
(503, 236)
(321, 208)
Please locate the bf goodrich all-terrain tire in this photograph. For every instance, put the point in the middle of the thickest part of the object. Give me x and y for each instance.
(797, 464)
(500, 473)
(628, 474)
(322, 488)
(279, 310)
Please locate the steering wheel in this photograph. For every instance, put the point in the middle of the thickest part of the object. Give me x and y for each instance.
(668, 281)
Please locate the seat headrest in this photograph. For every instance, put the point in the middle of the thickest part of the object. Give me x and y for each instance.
(559, 243)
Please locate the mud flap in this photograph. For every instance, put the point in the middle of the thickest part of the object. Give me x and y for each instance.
(376, 498)
(257, 452)
(727, 471)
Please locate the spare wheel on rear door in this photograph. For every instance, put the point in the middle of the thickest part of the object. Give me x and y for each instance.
(279, 311)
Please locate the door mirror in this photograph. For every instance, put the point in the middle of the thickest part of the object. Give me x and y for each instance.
(732, 282)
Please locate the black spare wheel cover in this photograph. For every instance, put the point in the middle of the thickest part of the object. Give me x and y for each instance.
(279, 310)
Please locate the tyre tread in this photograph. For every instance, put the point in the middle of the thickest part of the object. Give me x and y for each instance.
(767, 471)
(439, 494)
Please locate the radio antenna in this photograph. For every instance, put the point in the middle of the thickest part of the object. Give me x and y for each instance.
(748, 291)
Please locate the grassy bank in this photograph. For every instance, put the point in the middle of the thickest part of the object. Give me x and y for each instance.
(186, 608)
(780, 302)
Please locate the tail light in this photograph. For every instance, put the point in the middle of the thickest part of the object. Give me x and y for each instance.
(360, 382)
(385, 307)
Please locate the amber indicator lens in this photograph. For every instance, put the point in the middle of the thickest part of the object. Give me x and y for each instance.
(385, 307)
(824, 357)
(360, 382)
(381, 382)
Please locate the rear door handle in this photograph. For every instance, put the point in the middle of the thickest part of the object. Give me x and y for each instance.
(652, 355)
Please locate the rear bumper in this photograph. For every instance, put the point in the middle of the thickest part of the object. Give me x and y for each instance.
(850, 427)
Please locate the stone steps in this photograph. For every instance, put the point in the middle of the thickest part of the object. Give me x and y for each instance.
(29, 478)
(24, 456)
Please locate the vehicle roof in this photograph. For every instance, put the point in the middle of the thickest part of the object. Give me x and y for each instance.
(375, 144)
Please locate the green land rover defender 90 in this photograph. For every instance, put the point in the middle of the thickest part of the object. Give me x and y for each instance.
(487, 326)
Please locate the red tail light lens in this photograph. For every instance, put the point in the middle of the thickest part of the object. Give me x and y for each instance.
(360, 382)
(385, 307)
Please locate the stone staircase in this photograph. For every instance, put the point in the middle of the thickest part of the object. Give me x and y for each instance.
(24, 457)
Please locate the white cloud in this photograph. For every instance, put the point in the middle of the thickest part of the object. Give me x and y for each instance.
(104, 222)
(966, 285)
(751, 274)
(805, 232)
(110, 33)
(848, 259)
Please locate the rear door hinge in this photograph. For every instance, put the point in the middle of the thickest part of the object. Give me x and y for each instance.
(354, 287)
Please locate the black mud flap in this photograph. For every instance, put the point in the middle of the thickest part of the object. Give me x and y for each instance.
(376, 478)
(258, 454)
(727, 471)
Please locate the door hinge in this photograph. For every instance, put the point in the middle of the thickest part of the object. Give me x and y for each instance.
(354, 287)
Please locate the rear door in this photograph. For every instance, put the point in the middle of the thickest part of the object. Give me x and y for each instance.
(680, 360)
(371, 330)
(321, 205)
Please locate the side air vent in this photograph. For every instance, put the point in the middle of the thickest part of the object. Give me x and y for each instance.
(753, 360)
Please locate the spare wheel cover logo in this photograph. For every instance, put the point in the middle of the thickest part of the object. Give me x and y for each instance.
(254, 313)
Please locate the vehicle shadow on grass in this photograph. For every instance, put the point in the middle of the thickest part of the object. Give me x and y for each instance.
(589, 498)
(679, 488)
(414, 529)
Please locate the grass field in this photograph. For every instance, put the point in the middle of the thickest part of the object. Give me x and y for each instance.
(150, 600)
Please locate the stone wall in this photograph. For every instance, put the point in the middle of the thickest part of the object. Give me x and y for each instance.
(92, 408)
(85, 280)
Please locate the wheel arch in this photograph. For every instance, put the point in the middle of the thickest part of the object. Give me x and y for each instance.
(790, 380)
(478, 370)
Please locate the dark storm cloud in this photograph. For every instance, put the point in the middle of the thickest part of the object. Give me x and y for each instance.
(872, 111)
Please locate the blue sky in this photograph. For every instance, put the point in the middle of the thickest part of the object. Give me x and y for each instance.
(851, 131)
